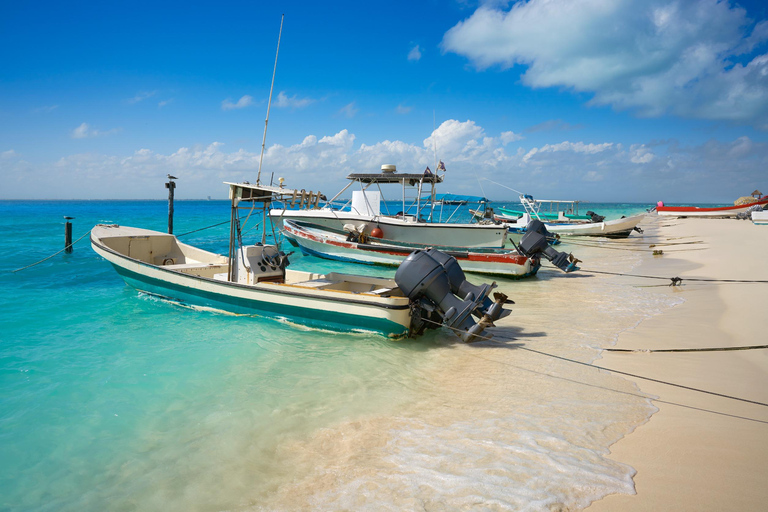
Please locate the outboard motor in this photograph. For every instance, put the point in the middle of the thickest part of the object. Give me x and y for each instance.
(432, 280)
(593, 217)
(534, 241)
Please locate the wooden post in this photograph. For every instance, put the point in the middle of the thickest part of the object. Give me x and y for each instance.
(171, 186)
(68, 235)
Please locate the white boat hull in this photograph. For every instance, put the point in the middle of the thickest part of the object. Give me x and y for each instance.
(402, 229)
(612, 228)
(760, 218)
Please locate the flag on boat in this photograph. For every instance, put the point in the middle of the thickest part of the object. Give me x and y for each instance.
(441, 166)
(427, 172)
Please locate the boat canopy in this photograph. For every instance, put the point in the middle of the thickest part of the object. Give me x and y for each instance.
(395, 177)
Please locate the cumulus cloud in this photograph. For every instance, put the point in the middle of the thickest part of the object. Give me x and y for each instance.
(293, 102)
(245, 101)
(84, 131)
(415, 53)
(507, 137)
(716, 171)
(684, 57)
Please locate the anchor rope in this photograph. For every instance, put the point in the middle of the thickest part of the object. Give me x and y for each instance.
(710, 349)
(569, 360)
(51, 256)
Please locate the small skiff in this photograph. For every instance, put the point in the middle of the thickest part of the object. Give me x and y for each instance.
(618, 228)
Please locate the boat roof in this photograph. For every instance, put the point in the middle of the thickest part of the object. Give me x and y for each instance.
(246, 191)
(395, 177)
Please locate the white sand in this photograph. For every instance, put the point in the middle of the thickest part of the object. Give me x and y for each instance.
(701, 452)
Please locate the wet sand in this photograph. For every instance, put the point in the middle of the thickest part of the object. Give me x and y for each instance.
(700, 451)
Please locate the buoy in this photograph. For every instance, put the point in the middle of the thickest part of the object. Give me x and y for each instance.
(660, 203)
(377, 233)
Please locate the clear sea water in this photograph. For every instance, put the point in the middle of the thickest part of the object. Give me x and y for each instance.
(114, 400)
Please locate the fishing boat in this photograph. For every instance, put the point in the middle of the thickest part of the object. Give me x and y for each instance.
(254, 279)
(617, 228)
(697, 211)
(760, 217)
(416, 220)
(355, 245)
(546, 210)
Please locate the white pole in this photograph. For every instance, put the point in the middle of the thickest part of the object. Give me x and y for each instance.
(269, 103)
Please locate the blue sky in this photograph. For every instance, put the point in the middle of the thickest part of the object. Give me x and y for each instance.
(597, 100)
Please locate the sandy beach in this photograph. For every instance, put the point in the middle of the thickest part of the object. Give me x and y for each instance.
(699, 451)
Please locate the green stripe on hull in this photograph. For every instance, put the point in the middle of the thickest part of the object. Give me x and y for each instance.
(319, 319)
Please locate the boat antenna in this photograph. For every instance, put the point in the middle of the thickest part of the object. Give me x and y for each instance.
(434, 137)
(269, 103)
(499, 184)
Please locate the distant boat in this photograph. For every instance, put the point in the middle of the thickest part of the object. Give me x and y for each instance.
(696, 211)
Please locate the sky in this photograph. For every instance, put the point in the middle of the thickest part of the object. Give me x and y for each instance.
(592, 100)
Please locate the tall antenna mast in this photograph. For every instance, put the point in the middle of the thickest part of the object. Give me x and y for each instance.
(269, 103)
(434, 138)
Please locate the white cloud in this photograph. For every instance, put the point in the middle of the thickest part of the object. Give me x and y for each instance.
(507, 137)
(9, 154)
(162, 103)
(293, 102)
(586, 170)
(349, 110)
(415, 53)
(402, 109)
(141, 96)
(684, 57)
(84, 131)
(245, 101)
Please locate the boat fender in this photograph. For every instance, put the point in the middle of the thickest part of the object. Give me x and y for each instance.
(377, 232)
(303, 198)
(293, 199)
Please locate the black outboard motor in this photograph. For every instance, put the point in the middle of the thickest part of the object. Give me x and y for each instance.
(534, 241)
(595, 217)
(433, 280)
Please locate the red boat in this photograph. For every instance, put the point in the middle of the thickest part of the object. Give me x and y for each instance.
(695, 211)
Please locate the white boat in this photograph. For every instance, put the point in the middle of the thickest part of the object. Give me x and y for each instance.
(355, 245)
(415, 221)
(760, 217)
(617, 228)
(253, 279)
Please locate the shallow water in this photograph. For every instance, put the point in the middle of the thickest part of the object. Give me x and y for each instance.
(113, 400)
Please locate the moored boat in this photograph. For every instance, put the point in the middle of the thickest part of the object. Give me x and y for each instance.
(698, 211)
(352, 245)
(416, 220)
(254, 279)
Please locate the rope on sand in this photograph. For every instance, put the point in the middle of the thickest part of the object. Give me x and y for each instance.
(566, 359)
(711, 349)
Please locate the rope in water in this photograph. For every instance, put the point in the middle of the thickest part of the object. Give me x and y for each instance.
(658, 381)
(676, 280)
(51, 256)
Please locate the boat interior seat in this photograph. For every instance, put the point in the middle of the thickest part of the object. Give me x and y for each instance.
(315, 283)
(381, 291)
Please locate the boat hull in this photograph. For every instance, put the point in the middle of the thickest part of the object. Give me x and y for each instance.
(760, 218)
(327, 244)
(403, 230)
(322, 309)
(618, 228)
(695, 211)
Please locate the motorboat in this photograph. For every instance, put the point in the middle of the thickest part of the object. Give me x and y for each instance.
(698, 211)
(355, 244)
(254, 279)
(417, 218)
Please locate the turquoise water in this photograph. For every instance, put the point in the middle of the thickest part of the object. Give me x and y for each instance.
(113, 400)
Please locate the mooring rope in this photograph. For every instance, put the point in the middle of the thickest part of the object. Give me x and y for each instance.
(51, 256)
(569, 360)
(710, 349)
